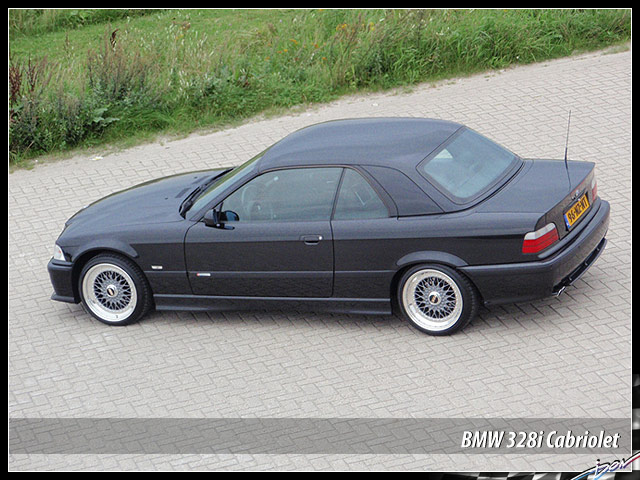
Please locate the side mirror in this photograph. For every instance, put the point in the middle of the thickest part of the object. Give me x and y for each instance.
(214, 218)
(229, 216)
(211, 218)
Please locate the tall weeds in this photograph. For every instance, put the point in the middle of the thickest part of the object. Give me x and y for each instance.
(179, 77)
(36, 21)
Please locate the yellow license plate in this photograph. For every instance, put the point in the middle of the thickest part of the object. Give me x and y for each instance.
(572, 215)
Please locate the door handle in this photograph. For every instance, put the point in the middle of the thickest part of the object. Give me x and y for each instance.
(311, 239)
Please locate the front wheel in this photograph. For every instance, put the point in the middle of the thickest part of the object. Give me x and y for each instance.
(436, 299)
(114, 290)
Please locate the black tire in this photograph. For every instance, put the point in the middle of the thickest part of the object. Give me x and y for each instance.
(114, 290)
(428, 291)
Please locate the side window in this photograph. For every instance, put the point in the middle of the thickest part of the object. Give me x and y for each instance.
(296, 194)
(357, 199)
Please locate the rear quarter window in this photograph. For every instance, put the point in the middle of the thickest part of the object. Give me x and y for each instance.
(467, 166)
(409, 198)
(357, 200)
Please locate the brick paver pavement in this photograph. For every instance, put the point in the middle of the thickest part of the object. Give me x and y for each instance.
(558, 357)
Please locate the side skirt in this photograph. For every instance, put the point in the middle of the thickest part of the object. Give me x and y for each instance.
(205, 303)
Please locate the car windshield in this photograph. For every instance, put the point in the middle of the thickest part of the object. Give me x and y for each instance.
(467, 166)
(221, 183)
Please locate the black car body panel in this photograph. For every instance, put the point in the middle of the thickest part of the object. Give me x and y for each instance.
(61, 276)
(157, 202)
(513, 282)
(343, 265)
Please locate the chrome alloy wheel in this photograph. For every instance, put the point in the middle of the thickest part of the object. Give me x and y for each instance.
(432, 299)
(109, 292)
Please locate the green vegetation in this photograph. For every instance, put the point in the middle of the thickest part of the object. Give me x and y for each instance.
(85, 77)
(35, 21)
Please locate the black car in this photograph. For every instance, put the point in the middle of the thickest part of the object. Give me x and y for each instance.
(359, 216)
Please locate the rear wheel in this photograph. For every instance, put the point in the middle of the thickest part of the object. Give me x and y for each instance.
(436, 299)
(114, 290)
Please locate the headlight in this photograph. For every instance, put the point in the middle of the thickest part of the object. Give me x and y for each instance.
(58, 254)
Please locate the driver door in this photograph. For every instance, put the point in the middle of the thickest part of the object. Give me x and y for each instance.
(275, 240)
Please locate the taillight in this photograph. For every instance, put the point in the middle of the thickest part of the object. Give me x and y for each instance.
(537, 241)
(594, 189)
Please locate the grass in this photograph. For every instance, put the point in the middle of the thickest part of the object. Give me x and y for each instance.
(89, 77)
(37, 21)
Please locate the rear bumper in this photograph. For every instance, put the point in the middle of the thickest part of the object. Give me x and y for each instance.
(542, 278)
(61, 275)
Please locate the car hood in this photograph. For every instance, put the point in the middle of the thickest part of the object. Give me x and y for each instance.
(156, 201)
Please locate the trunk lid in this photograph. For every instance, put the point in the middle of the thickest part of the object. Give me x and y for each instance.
(548, 188)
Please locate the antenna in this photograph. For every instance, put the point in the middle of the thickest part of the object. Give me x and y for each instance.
(566, 150)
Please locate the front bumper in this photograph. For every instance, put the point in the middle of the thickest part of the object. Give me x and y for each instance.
(61, 275)
(526, 281)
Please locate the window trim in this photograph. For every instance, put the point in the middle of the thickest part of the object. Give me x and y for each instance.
(489, 189)
(216, 204)
(198, 216)
(367, 177)
(382, 194)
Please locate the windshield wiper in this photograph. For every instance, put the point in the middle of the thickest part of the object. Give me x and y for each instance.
(188, 202)
(191, 198)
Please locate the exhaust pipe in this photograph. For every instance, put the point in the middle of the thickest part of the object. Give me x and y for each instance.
(557, 293)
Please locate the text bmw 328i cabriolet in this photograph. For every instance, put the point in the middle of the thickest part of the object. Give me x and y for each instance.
(425, 217)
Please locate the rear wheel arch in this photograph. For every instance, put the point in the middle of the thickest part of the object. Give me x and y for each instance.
(431, 256)
(466, 295)
(395, 281)
(423, 257)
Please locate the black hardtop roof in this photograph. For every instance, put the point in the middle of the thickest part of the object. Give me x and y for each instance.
(390, 142)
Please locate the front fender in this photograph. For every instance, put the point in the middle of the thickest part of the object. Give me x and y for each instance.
(64, 275)
(103, 244)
